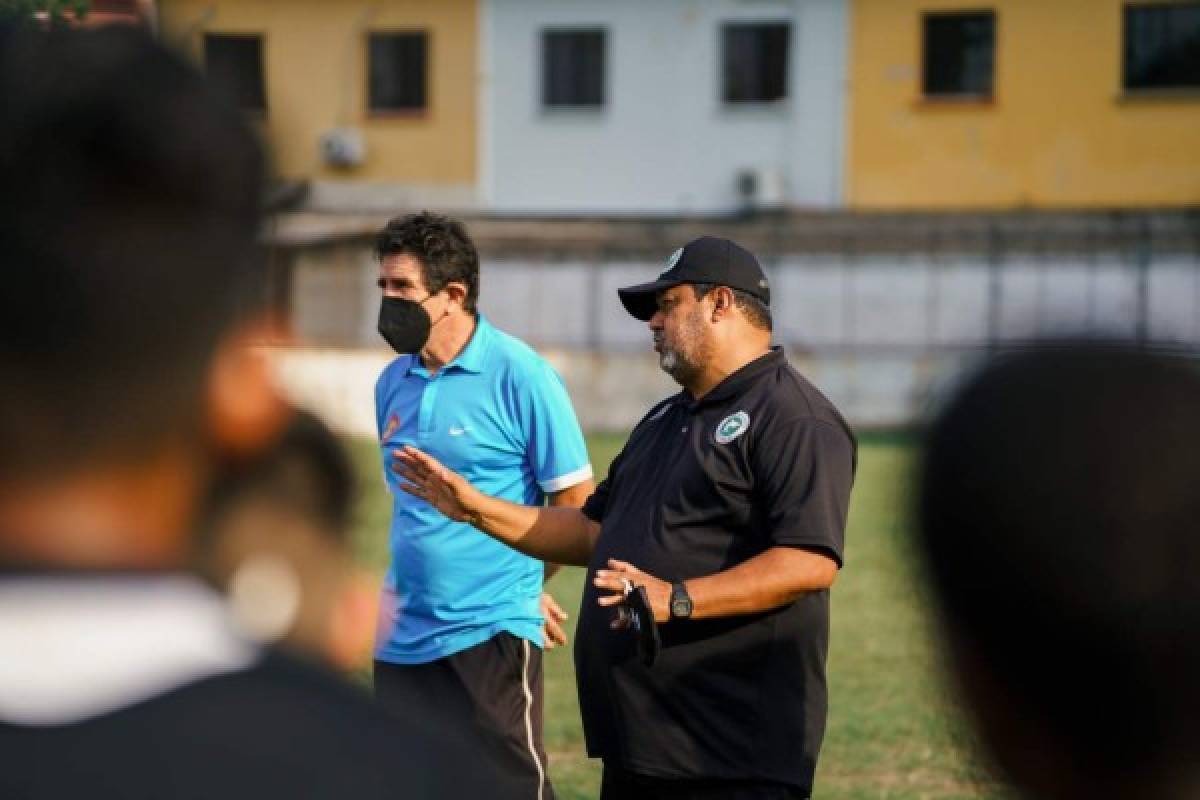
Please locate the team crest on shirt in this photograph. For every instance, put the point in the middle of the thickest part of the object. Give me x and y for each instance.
(732, 427)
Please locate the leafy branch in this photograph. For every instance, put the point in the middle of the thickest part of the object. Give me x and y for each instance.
(53, 12)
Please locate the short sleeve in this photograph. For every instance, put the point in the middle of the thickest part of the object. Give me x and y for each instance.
(803, 472)
(556, 450)
(597, 503)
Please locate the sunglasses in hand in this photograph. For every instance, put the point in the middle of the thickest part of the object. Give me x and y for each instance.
(636, 615)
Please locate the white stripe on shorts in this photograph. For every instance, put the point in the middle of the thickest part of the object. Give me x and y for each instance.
(537, 761)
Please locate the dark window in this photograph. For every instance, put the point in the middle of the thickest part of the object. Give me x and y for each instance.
(398, 70)
(1162, 46)
(960, 52)
(754, 62)
(573, 69)
(234, 64)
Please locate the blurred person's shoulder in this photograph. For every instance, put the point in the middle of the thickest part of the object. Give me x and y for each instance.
(279, 727)
(288, 711)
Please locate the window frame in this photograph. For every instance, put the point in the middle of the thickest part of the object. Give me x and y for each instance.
(260, 38)
(544, 34)
(956, 98)
(422, 111)
(723, 27)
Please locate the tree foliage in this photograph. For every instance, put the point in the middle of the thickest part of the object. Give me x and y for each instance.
(53, 12)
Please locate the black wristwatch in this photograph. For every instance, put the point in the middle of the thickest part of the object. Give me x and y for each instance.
(681, 602)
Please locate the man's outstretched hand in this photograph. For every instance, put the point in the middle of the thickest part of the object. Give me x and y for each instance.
(426, 478)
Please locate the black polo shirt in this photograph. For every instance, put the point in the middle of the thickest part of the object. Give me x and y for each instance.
(762, 460)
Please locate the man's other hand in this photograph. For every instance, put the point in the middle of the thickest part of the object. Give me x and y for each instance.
(620, 578)
(553, 617)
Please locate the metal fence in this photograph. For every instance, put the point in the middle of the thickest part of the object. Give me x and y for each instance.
(875, 303)
(873, 309)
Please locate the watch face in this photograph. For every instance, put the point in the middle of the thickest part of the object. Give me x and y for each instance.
(681, 604)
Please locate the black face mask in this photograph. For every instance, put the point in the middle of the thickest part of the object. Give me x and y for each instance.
(404, 324)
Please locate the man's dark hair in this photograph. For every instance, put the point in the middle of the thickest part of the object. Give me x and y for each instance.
(129, 207)
(441, 246)
(756, 311)
(1059, 510)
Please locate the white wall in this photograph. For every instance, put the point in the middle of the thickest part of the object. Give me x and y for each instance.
(664, 141)
(610, 391)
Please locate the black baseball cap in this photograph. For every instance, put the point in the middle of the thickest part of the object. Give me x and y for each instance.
(705, 260)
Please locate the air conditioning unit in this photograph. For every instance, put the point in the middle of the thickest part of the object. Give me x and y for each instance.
(343, 147)
(761, 188)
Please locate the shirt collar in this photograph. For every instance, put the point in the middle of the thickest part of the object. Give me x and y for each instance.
(739, 380)
(79, 647)
(472, 358)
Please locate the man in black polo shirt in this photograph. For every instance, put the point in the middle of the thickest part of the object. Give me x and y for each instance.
(728, 505)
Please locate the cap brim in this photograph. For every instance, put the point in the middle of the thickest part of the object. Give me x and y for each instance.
(640, 300)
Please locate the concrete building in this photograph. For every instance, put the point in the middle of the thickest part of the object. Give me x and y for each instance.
(706, 107)
(669, 107)
(943, 178)
(373, 104)
(1024, 104)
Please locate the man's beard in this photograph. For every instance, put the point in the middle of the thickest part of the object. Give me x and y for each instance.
(670, 361)
(677, 366)
(675, 361)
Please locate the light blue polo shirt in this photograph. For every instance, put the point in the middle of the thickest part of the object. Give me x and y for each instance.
(499, 416)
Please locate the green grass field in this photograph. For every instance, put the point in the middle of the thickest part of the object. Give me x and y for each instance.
(894, 729)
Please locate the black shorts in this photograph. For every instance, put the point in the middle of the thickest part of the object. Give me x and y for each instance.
(493, 693)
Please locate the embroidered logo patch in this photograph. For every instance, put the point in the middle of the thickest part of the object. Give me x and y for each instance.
(732, 427)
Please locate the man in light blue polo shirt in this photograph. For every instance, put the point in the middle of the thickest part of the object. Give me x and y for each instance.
(461, 627)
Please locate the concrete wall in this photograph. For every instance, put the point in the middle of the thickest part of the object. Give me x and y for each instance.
(664, 142)
(1059, 132)
(610, 391)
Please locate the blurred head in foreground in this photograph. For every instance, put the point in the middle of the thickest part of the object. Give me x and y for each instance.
(275, 540)
(1059, 513)
(129, 208)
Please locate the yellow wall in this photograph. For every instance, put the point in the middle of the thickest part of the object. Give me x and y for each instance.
(1058, 134)
(315, 54)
